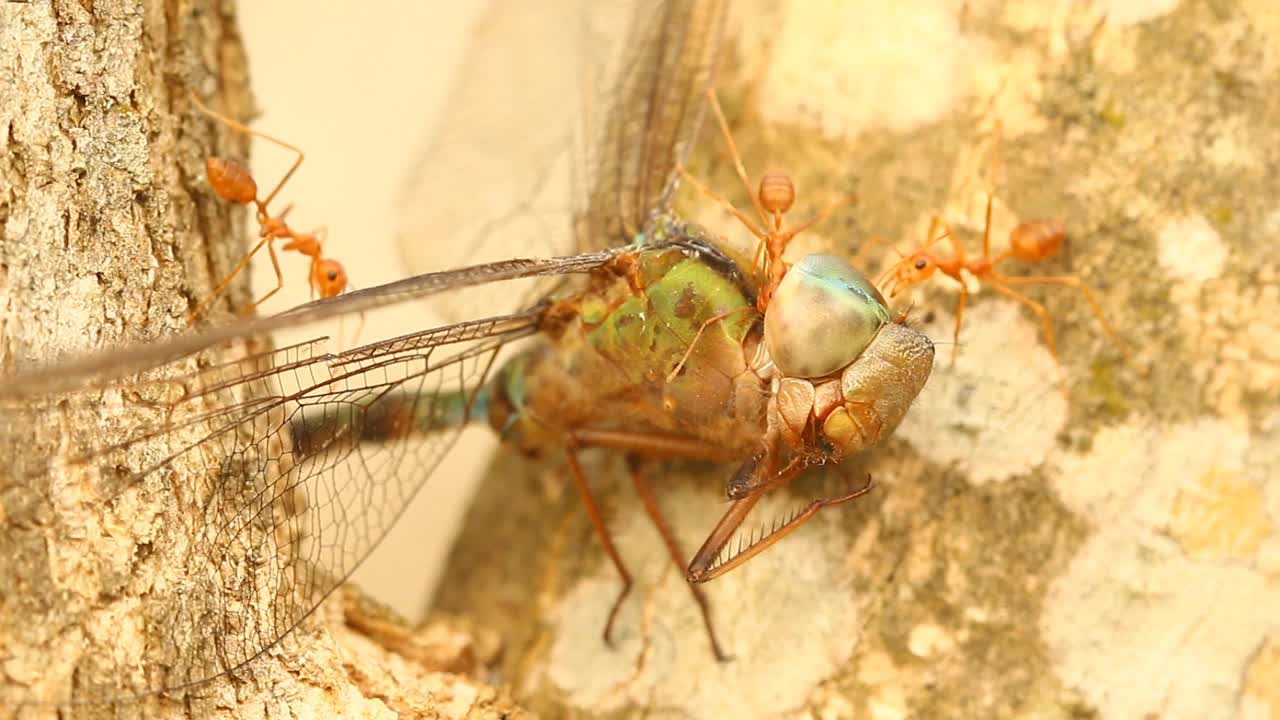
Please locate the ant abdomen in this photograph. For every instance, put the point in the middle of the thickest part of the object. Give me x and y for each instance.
(231, 181)
(1036, 240)
(777, 192)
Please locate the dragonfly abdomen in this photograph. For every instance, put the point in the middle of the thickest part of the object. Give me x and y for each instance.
(393, 416)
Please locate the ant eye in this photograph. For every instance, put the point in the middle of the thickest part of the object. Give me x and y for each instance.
(333, 275)
(921, 263)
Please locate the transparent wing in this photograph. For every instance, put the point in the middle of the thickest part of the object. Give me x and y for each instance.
(649, 125)
(117, 363)
(274, 474)
(280, 470)
(557, 147)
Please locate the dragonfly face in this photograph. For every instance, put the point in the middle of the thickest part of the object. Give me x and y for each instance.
(849, 372)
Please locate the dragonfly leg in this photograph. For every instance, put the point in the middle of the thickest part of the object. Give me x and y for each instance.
(756, 476)
(675, 371)
(650, 502)
(706, 564)
(597, 521)
(651, 445)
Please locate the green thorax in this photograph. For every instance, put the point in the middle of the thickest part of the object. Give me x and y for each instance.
(629, 359)
(652, 330)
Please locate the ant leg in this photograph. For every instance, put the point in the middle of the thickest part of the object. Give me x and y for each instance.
(355, 337)
(1094, 305)
(735, 157)
(234, 125)
(860, 257)
(698, 335)
(955, 338)
(822, 215)
(724, 203)
(950, 234)
(1039, 310)
(650, 503)
(195, 314)
(597, 521)
(986, 231)
(275, 265)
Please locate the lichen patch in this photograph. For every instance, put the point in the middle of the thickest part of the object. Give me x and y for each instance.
(820, 74)
(996, 414)
(1191, 250)
(1120, 13)
(1148, 618)
(801, 602)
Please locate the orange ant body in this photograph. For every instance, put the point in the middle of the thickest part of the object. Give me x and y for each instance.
(233, 183)
(1031, 241)
(772, 200)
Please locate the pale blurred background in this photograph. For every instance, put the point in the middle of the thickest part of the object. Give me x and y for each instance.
(311, 68)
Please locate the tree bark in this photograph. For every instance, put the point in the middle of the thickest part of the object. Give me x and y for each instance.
(109, 234)
(1114, 553)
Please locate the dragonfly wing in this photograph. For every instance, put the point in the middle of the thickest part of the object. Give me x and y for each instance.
(496, 179)
(113, 364)
(650, 121)
(292, 465)
(557, 147)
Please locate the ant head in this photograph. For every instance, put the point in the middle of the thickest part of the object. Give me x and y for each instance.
(328, 278)
(910, 270)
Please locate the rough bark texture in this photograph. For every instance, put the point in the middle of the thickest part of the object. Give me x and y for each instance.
(108, 235)
(1113, 554)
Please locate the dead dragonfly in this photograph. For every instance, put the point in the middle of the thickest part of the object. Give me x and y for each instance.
(302, 460)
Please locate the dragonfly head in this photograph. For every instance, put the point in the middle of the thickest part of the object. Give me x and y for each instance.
(849, 371)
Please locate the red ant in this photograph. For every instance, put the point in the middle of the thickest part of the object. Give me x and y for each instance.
(773, 199)
(233, 183)
(1031, 241)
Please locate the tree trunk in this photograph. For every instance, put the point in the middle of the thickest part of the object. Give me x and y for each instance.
(1114, 553)
(109, 234)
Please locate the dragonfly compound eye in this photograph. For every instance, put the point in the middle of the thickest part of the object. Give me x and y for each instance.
(822, 316)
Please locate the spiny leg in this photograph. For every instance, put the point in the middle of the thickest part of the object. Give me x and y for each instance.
(703, 567)
(745, 489)
(650, 502)
(597, 521)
